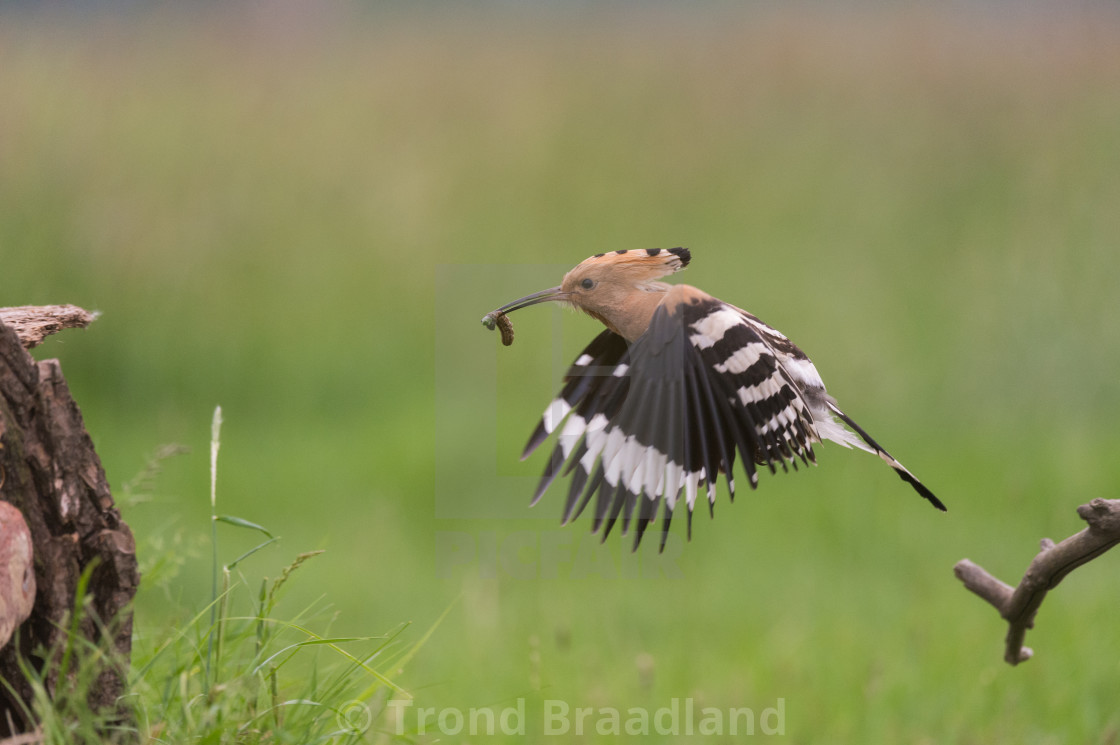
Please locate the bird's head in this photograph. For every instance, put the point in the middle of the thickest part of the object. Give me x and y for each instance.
(620, 288)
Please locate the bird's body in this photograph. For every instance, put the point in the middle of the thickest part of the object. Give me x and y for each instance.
(659, 404)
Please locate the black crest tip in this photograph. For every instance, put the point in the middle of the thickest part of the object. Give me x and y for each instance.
(683, 254)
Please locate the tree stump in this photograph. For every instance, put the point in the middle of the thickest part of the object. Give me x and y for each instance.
(51, 474)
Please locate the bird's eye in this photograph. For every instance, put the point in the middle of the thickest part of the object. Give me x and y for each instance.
(587, 284)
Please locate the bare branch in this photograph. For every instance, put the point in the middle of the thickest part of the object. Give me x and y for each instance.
(1018, 605)
(33, 323)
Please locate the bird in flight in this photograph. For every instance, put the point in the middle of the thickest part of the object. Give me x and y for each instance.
(658, 405)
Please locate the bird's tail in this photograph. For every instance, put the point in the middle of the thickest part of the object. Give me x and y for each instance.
(889, 459)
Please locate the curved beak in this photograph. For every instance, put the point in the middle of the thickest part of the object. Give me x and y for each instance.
(552, 293)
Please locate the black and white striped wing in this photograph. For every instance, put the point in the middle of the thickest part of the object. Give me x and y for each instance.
(641, 426)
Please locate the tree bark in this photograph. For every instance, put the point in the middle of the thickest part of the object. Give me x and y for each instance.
(50, 472)
(33, 323)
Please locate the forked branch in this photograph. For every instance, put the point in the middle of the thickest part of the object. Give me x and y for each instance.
(1018, 605)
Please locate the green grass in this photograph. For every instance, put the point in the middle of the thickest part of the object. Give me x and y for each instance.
(304, 221)
(234, 669)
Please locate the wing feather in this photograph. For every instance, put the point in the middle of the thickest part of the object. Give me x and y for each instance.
(638, 426)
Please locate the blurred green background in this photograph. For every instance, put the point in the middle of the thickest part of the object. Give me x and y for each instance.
(300, 212)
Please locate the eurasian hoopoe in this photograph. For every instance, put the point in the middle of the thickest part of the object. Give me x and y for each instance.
(659, 403)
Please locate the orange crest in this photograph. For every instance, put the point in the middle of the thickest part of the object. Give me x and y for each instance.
(638, 265)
